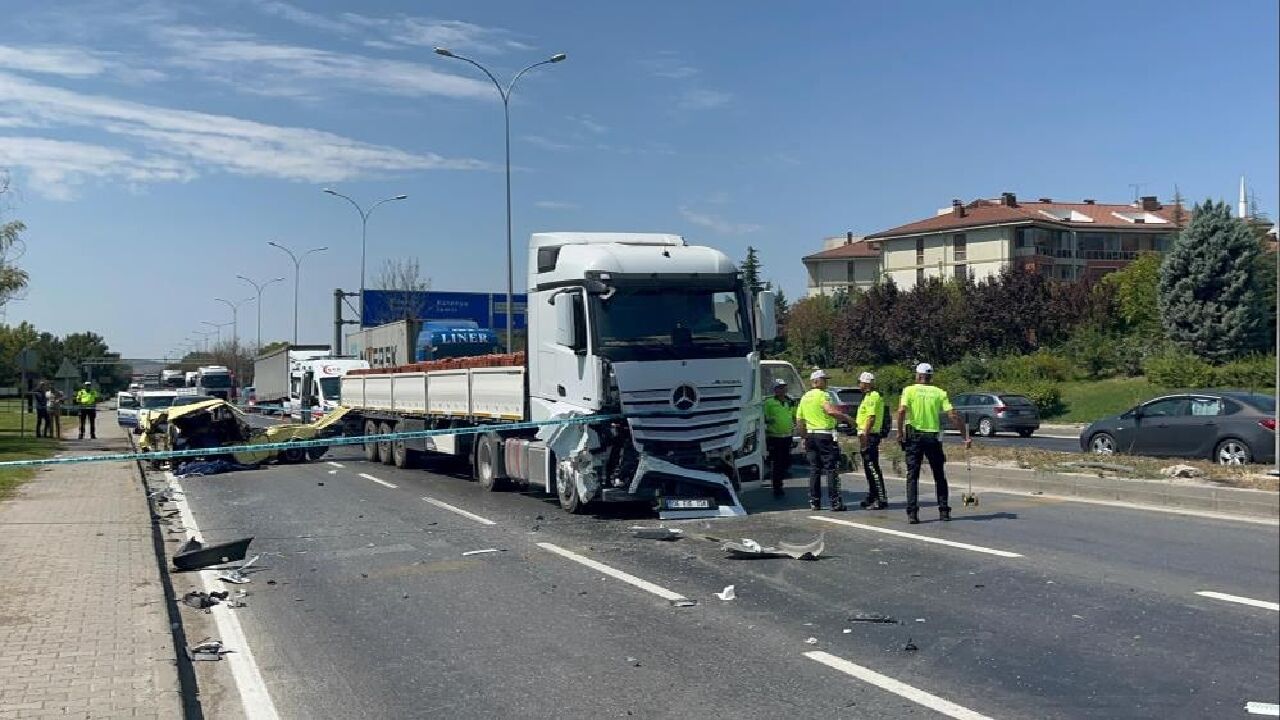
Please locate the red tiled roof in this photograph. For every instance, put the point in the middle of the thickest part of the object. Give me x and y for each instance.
(857, 249)
(992, 212)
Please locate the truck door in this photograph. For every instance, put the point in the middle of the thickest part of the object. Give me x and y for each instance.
(567, 371)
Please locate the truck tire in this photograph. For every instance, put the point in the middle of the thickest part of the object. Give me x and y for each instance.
(293, 455)
(488, 464)
(401, 456)
(567, 493)
(370, 448)
(385, 446)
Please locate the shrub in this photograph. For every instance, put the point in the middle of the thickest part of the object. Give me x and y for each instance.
(1175, 368)
(1046, 396)
(1041, 366)
(972, 369)
(1093, 351)
(950, 379)
(1250, 373)
(890, 379)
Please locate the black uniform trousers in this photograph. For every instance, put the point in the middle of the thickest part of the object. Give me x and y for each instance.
(823, 454)
(90, 414)
(779, 449)
(919, 447)
(871, 466)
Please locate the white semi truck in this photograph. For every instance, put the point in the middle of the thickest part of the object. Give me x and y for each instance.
(655, 338)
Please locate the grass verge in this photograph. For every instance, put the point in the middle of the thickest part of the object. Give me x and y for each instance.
(15, 447)
(1089, 400)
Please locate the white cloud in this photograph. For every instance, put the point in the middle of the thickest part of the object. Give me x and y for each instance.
(702, 99)
(716, 223)
(178, 144)
(668, 64)
(588, 123)
(55, 167)
(300, 16)
(302, 72)
(64, 61)
(555, 205)
(548, 144)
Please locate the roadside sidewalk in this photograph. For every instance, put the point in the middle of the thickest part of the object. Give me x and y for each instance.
(84, 631)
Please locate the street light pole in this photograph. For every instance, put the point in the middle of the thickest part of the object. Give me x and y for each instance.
(235, 334)
(364, 233)
(217, 329)
(505, 94)
(297, 276)
(259, 287)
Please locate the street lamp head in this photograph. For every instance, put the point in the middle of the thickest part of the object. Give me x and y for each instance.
(445, 52)
(400, 197)
(558, 57)
(331, 191)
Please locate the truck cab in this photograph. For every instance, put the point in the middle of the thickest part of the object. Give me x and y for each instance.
(315, 385)
(663, 333)
(214, 380)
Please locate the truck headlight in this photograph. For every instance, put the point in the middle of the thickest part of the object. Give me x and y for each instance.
(751, 440)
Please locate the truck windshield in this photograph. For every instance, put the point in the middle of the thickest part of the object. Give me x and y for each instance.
(329, 387)
(217, 381)
(647, 321)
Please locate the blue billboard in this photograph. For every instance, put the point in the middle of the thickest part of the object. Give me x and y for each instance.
(486, 309)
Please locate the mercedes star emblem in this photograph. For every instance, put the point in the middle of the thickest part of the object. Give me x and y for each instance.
(684, 397)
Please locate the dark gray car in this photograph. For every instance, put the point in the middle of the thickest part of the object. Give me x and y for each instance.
(988, 412)
(1230, 427)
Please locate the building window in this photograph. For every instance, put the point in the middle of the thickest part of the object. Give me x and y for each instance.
(919, 276)
(849, 273)
(962, 272)
(920, 251)
(959, 246)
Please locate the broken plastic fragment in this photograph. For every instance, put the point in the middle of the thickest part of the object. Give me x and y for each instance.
(811, 641)
(727, 594)
(683, 602)
(749, 548)
(193, 554)
(910, 646)
(874, 618)
(207, 649)
(480, 552)
(657, 533)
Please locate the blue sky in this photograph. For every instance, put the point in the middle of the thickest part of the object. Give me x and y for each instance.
(154, 149)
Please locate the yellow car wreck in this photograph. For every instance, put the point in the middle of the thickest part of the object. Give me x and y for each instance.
(217, 423)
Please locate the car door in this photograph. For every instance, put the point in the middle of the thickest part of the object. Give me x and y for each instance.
(1196, 433)
(1157, 425)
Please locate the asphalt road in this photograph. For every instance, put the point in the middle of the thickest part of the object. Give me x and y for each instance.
(1046, 609)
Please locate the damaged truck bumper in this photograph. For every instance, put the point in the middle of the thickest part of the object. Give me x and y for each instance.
(700, 494)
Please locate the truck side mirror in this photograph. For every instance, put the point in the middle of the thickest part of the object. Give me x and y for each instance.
(766, 316)
(570, 325)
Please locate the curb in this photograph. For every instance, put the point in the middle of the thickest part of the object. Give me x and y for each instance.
(1160, 494)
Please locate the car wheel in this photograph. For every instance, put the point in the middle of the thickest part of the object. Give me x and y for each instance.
(1233, 452)
(384, 446)
(986, 428)
(1025, 433)
(489, 463)
(371, 447)
(1102, 444)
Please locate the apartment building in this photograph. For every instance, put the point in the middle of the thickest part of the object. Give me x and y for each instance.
(1062, 240)
(846, 262)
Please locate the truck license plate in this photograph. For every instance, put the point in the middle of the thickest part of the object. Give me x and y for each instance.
(686, 503)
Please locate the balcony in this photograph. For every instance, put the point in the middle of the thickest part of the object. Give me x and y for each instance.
(1110, 254)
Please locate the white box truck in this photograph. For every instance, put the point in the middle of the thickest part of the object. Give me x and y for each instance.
(273, 373)
(656, 338)
(315, 385)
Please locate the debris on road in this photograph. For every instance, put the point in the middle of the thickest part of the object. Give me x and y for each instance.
(480, 552)
(656, 533)
(749, 548)
(207, 649)
(200, 468)
(201, 600)
(874, 618)
(236, 575)
(194, 555)
(846, 631)
(811, 641)
(727, 594)
(910, 646)
(1182, 471)
(683, 602)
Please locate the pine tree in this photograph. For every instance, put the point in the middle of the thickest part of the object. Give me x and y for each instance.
(751, 272)
(1179, 215)
(1208, 292)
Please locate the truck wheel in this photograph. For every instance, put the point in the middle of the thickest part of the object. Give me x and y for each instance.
(293, 455)
(488, 466)
(385, 446)
(370, 447)
(567, 493)
(401, 456)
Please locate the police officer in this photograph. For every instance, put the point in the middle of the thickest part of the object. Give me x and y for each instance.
(779, 427)
(87, 402)
(920, 433)
(870, 424)
(817, 413)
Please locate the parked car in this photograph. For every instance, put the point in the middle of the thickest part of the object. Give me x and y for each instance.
(989, 412)
(850, 398)
(1231, 427)
(126, 409)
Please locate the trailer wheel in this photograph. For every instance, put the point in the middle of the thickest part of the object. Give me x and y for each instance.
(567, 493)
(370, 447)
(401, 456)
(385, 446)
(488, 465)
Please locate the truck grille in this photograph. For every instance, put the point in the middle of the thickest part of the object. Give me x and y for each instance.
(684, 436)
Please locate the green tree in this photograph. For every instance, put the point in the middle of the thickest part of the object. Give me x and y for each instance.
(809, 331)
(751, 272)
(13, 279)
(1137, 294)
(1208, 289)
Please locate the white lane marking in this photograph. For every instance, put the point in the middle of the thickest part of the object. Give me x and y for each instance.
(255, 700)
(884, 682)
(923, 538)
(460, 511)
(612, 572)
(1261, 708)
(1264, 604)
(335, 464)
(380, 481)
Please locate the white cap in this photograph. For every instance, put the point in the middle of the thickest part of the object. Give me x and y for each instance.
(818, 374)
(866, 377)
(924, 369)
(779, 382)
